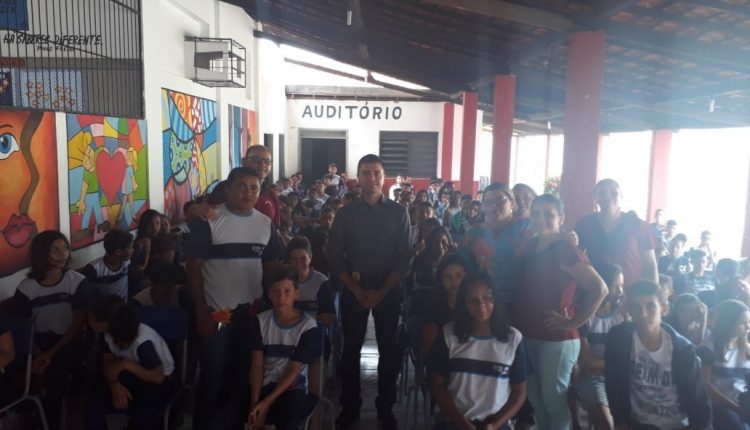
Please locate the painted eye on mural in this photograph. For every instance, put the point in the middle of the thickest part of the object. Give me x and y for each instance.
(8, 145)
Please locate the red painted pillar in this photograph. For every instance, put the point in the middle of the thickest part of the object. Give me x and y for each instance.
(658, 174)
(446, 158)
(746, 236)
(468, 142)
(583, 99)
(504, 103)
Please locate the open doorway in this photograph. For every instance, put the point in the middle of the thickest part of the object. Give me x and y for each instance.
(319, 148)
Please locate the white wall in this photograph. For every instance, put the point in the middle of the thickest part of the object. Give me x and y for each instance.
(363, 135)
(458, 126)
(166, 23)
(272, 97)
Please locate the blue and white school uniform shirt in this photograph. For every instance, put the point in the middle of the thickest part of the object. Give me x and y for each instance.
(282, 344)
(597, 329)
(148, 349)
(315, 296)
(52, 306)
(728, 375)
(480, 371)
(103, 280)
(233, 248)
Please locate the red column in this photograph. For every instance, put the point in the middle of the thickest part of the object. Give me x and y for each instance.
(583, 97)
(746, 236)
(446, 159)
(659, 171)
(502, 126)
(468, 142)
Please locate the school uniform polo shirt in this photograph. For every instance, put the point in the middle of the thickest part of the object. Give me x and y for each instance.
(282, 344)
(315, 295)
(52, 306)
(480, 371)
(233, 248)
(104, 280)
(148, 349)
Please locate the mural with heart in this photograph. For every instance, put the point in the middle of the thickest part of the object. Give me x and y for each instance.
(28, 184)
(243, 132)
(191, 158)
(107, 176)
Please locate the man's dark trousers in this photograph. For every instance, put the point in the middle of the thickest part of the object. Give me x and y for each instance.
(354, 326)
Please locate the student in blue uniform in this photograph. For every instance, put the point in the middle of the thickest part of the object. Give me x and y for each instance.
(55, 299)
(315, 292)
(285, 342)
(136, 367)
(479, 362)
(109, 274)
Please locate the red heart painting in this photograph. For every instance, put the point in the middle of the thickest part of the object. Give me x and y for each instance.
(110, 171)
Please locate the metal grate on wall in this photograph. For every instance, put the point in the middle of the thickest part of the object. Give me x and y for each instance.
(77, 56)
(409, 153)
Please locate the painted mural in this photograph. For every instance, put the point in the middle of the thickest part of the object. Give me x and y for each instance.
(191, 149)
(107, 176)
(28, 184)
(51, 89)
(243, 132)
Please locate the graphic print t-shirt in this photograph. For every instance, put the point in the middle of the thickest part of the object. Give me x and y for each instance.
(653, 394)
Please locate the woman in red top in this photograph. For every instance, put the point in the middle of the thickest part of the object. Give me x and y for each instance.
(547, 312)
(611, 236)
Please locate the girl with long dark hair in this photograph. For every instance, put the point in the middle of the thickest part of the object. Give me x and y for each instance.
(725, 356)
(55, 298)
(479, 362)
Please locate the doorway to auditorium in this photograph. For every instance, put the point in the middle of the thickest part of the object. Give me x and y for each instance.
(318, 149)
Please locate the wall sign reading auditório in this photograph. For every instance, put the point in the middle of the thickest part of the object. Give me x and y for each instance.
(352, 112)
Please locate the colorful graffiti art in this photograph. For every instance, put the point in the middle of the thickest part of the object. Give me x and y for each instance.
(107, 176)
(243, 132)
(28, 185)
(191, 158)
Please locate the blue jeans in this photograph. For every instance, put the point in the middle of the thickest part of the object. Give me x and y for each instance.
(548, 386)
(222, 396)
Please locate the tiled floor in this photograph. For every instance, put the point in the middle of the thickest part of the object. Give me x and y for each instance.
(369, 374)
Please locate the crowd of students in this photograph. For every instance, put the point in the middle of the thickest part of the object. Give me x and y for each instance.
(522, 321)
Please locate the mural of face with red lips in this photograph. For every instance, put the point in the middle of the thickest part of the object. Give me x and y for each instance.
(28, 184)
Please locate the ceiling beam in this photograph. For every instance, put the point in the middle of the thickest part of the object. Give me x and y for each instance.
(716, 117)
(418, 76)
(510, 12)
(670, 45)
(358, 23)
(597, 17)
(382, 48)
(720, 6)
(703, 24)
(617, 100)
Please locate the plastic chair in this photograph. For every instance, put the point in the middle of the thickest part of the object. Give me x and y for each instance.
(412, 326)
(172, 325)
(23, 341)
(414, 354)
